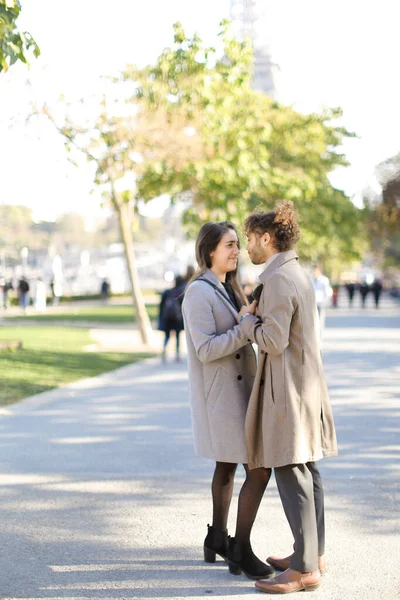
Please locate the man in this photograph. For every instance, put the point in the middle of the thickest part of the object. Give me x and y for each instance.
(376, 289)
(350, 288)
(23, 292)
(323, 294)
(289, 423)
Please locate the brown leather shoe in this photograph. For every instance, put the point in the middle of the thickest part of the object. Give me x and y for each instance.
(283, 563)
(279, 563)
(290, 581)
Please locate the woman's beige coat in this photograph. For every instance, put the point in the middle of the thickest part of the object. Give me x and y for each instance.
(222, 366)
(289, 419)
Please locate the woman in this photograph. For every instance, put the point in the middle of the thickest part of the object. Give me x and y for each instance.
(222, 365)
(170, 316)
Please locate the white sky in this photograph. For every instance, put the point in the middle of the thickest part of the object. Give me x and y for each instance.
(330, 53)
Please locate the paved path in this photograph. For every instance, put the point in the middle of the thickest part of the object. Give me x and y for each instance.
(102, 496)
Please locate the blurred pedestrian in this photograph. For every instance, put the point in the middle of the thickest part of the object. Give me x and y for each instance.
(23, 292)
(364, 290)
(8, 286)
(335, 295)
(105, 290)
(170, 317)
(350, 288)
(376, 289)
(323, 294)
(40, 295)
(222, 366)
(56, 291)
(2, 285)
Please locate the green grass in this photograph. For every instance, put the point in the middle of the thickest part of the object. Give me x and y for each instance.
(50, 357)
(92, 314)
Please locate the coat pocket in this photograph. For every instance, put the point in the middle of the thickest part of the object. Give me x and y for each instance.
(267, 384)
(216, 387)
(272, 384)
(277, 384)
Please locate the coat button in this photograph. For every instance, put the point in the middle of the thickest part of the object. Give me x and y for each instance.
(240, 377)
(237, 355)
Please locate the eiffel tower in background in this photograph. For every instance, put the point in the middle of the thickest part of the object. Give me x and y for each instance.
(246, 17)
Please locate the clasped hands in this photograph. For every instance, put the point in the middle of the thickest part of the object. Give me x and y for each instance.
(250, 308)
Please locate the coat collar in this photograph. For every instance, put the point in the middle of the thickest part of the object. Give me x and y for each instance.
(208, 274)
(280, 260)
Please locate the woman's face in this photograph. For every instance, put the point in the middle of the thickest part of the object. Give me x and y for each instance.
(225, 256)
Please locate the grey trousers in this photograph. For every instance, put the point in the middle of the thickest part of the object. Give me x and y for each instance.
(302, 496)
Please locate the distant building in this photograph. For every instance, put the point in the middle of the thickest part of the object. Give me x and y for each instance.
(247, 21)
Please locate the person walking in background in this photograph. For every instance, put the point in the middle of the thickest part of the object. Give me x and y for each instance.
(350, 288)
(2, 285)
(222, 365)
(376, 289)
(56, 291)
(40, 295)
(105, 290)
(23, 292)
(289, 423)
(323, 294)
(8, 286)
(364, 291)
(170, 316)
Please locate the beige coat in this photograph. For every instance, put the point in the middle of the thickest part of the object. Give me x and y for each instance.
(289, 419)
(222, 366)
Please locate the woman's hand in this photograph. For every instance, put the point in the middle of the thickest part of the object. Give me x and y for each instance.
(251, 309)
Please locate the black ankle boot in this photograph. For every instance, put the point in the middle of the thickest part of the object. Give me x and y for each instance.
(216, 542)
(242, 558)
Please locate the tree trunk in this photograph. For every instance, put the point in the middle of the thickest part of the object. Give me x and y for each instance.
(125, 222)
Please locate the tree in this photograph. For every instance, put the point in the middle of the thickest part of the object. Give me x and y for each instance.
(70, 232)
(242, 150)
(383, 212)
(14, 44)
(193, 126)
(108, 142)
(16, 229)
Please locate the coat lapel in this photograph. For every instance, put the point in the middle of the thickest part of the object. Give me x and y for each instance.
(225, 300)
(280, 260)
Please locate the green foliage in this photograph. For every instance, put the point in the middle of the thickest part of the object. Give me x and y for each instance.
(112, 314)
(383, 213)
(14, 44)
(235, 149)
(17, 230)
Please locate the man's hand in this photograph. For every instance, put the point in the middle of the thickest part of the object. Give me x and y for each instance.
(251, 309)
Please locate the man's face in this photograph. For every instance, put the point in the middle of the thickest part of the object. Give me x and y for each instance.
(256, 248)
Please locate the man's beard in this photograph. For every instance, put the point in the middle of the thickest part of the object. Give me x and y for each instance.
(257, 258)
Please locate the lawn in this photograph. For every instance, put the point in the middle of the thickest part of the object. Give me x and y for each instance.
(50, 357)
(116, 314)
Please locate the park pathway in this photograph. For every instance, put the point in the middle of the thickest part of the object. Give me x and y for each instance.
(102, 496)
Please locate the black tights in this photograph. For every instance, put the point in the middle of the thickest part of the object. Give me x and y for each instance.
(249, 498)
